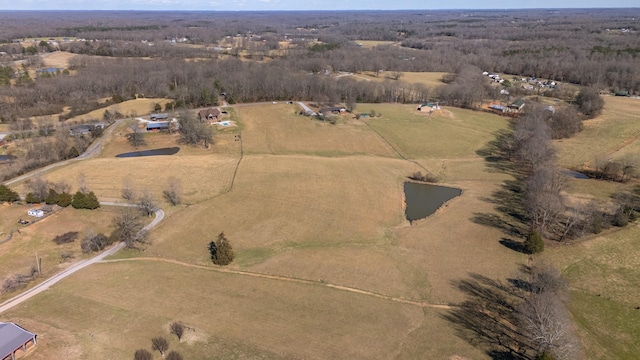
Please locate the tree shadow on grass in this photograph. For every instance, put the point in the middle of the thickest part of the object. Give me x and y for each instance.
(514, 245)
(488, 319)
(509, 199)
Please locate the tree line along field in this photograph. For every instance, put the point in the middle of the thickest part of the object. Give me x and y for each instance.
(326, 265)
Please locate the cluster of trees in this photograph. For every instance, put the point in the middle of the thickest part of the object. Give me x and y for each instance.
(161, 345)
(43, 145)
(41, 190)
(221, 251)
(193, 131)
(544, 316)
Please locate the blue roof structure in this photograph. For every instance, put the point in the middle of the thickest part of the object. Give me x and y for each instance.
(12, 338)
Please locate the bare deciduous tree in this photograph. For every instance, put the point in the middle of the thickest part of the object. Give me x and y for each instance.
(128, 229)
(174, 355)
(174, 192)
(147, 203)
(143, 354)
(160, 344)
(177, 329)
(128, 192)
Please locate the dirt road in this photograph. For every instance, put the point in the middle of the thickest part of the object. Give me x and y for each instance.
(159, 215)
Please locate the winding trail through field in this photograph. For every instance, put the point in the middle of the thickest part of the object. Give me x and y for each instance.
(422, 304)
(159, 215)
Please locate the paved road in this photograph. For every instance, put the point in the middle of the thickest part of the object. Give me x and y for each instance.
(306, 108)
(92, 151)
(77, 266)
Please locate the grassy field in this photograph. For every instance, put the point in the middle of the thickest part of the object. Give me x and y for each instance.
(279, 130)
(604, 277)
(326, 265)
(18, 254)
(613, 134)
(368, 44)
(431, 80)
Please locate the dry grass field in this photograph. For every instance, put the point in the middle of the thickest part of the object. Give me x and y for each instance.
(613, 134)
(129, 108)
(232, 317)
(431, 80)
(368, 44)
(604, 278)
(57, 59)
(278, 130)
(18, 254)
(326, 265)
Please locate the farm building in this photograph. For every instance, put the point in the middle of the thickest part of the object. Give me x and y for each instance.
(211, 114)
(161, 116)
(35, 212)
(431, 106)
(517, 105)
(14, 341)
(333, 110)
(157, 126)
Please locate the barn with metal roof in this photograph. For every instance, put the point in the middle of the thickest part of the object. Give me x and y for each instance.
(14, 340)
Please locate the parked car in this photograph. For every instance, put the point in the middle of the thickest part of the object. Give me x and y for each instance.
(23, 222)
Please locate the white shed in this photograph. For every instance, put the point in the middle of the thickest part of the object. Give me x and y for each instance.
(35, 212)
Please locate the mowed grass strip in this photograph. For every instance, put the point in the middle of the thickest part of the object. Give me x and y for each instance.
(449, 133)
(278, 129)
(233, 315)
(613, 134)
(604, 278)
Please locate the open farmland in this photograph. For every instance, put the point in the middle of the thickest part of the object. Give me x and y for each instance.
(17, 255)
(613, 134)
(324, 254)
(604, 274)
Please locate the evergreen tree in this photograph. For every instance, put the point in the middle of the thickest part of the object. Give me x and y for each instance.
(534, 243)
(64, 199)
(52, 197)
(8, 195)
(221, 251)
(78, 200)
(32, 199)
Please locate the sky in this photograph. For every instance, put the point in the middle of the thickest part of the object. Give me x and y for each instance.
(248, 5)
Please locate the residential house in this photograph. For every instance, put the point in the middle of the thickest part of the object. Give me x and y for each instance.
(211, 114)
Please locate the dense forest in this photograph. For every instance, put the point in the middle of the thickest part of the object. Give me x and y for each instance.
(198, 55)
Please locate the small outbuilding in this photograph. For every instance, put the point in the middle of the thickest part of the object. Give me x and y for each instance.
(14, 341)
(157, 126)
(161, 116)
(35, 213)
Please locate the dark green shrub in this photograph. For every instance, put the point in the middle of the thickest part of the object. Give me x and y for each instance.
(534, 243)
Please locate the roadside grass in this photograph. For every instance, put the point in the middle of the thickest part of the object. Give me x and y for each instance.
(613, 134)
(604, 278)
(18, 254)
(449, 133)
(113, 316)
(279, 130)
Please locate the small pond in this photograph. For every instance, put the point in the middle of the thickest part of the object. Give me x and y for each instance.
(4, 158)
(154, 152)
(423, 200)
(574, 174)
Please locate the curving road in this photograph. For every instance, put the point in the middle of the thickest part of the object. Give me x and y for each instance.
(159, 215)
(92, 151)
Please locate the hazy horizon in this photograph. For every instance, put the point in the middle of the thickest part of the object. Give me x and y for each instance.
(299, 5)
